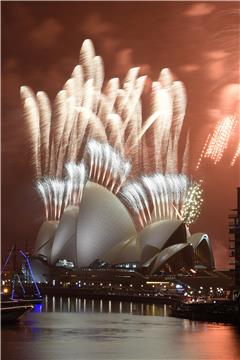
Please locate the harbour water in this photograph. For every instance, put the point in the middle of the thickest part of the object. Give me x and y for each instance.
(75, 329)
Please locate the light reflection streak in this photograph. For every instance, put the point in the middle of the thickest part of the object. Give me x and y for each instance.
(53, 304)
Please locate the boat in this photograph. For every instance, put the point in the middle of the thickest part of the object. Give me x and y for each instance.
(18, 293)
(225, 311)
(13, 313)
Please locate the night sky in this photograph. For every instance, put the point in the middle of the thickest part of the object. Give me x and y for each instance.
(198, 41)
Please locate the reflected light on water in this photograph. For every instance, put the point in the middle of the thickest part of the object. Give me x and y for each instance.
(75, 304)
(53, 303)
(73, 328)
(120, 307)
(37, 308)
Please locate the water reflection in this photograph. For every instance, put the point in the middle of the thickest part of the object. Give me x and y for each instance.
(90, 329)
(75, 304)
(38, 308)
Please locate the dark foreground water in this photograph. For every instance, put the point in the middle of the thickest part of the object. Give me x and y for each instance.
(75, 329)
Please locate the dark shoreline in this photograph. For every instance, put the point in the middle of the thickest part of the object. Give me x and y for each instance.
(220, 311)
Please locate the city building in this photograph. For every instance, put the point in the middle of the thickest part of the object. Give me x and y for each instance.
(234, 231)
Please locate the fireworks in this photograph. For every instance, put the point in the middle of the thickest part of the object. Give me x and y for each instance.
(236, 155)
(217, 141)
(156, 197)
(107, 167)
(83, 111)
(55, 198)
(76, 180)
(106, 129)
(193, 203)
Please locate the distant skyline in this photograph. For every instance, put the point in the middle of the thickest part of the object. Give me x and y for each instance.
(198, 41)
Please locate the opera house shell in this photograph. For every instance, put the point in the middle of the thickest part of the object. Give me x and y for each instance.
(103, 229)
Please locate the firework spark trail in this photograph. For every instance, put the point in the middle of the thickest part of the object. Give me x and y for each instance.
(179, 108)
(166, 107)
(90, 149)
(71, 169)
(68, 193)
(76, 180)
(134, 127)
(99, 162)
(133, 100)
(177, 194)
(87, 55)
(236, 155)
(116, 169)
(162, 103)
(167, 193)
(83, 175)
(192, 204)
(98, 73)
(162, 195)
(106, 165)
(98, 76)
(171, 190)
(140, 190)
(52, 191)
(48, 193)
(107, 155)
(150, 186)
(96, 127)
(88, 95)
(94, 149)
(64, 153)
(69, 87)
(148, 123)
(78, 81)
(218, 140)
(128, 88)
(58, 124)
(45, 122)
(98, 158)
(111, 168)
(175, 186)
(131, 196)
(131, 201)
(126, 169)
(138, 199)
(41, 190)
(108, 100)
(203, 152)
(157, 195)
(115, 132)
(184, 186)
(31, 115)
(82, 123)
(58, 189)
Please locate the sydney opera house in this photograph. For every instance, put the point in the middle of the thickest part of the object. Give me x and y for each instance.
(113, 183)
(101, 229)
